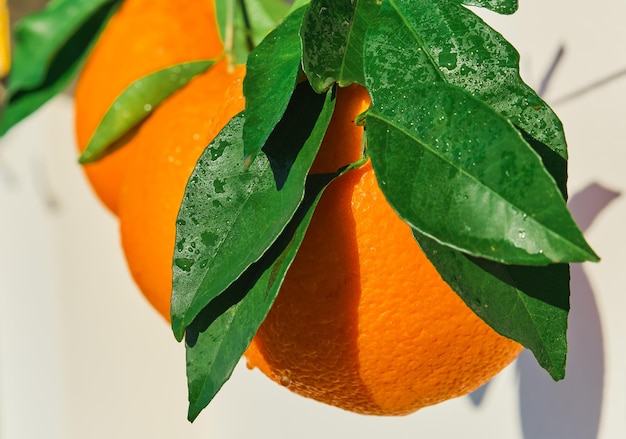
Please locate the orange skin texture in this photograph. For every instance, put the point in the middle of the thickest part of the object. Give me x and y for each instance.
(142, 37)
(363, 321)
(162, 156)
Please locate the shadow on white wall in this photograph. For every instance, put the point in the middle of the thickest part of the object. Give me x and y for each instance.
(570, 408)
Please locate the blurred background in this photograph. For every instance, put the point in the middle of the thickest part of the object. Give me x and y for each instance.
(82, 355)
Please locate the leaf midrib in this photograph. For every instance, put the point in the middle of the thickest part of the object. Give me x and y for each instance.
(472, 177)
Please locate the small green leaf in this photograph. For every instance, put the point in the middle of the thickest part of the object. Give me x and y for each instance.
(445, 42)
(445, 154)
(333, 34)
(218, 337)
(506, 7)
(527, 304)
(268, 86)
(50, 45)
(230, 216)
(136, 103)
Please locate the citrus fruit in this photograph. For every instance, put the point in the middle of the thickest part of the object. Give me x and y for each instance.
(161, 157)
(363, 321)
(142, 37)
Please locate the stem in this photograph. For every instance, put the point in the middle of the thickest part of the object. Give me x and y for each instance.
(247, 23)
(229, 32)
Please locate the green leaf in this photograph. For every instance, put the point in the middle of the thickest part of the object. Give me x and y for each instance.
(218, 337)
(244, 23)
(527, 304)
(444, 154)
(230, 216)
(136, 103)
(333, 34)
(268, 86)
(50, 45)
(500, 6)
(445, 42)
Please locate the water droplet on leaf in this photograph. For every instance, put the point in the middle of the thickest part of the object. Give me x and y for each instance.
(184, 264)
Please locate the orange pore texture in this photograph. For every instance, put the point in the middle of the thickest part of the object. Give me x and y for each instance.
(363, 321)
(162, 156)
(142, 37)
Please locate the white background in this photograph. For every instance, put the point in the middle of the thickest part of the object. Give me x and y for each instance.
(82, 355)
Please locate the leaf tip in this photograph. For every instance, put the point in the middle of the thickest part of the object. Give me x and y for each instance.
(85, 158)
(178, 329)
(589, 255)
(192, 413)
(557, 374)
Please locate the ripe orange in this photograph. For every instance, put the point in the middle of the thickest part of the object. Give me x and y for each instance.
(363, 321)
(160, 160)
(142, 37)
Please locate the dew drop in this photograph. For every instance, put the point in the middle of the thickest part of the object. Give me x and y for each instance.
(285, 378)
(147, 107)
(208, 239)
(521, 234)
(184, 264)
(219, 186)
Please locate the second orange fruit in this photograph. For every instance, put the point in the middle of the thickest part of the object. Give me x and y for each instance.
(142, 37)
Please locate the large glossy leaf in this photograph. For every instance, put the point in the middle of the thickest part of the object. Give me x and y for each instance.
(218, 337)
(230, 215)
(499, 6)
(459, 172)
(244, 23)
(136, 103)
(333, 34)
(268, 85)
(527, 304)
(443, 41)
(49, 47)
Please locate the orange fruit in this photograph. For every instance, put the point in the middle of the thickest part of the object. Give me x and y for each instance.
(160, 159)
(363, 321)
(142, 37)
